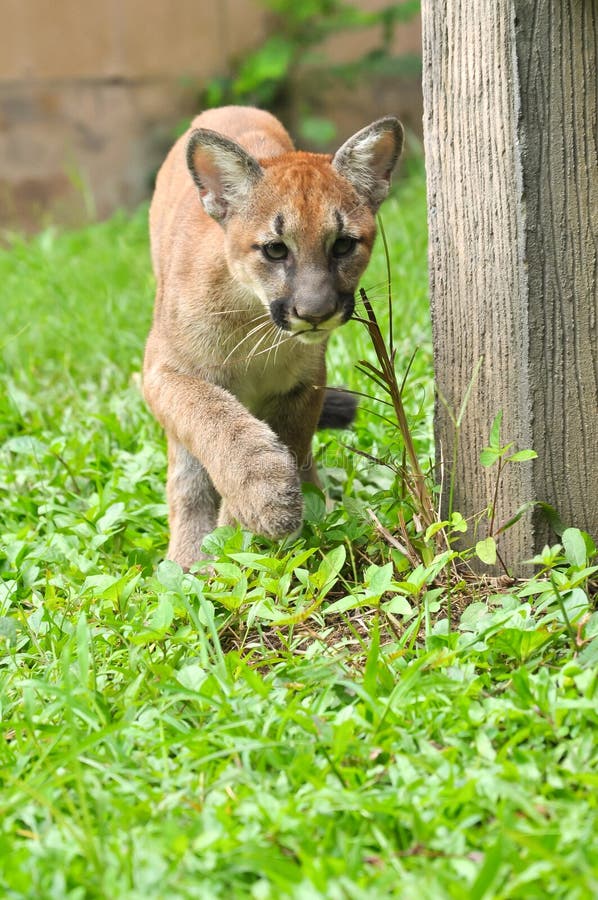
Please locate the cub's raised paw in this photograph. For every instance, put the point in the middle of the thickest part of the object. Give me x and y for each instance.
(269, 501)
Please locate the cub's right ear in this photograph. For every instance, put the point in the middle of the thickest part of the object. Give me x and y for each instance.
(224, 173)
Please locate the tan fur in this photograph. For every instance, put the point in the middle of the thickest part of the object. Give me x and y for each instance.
(236, 386)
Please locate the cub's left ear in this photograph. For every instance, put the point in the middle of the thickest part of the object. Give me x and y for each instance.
(368, 158)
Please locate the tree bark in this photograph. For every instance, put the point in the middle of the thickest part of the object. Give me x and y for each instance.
(510, 129)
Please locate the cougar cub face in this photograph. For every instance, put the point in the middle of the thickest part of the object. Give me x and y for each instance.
(304, 253)
(299, 227)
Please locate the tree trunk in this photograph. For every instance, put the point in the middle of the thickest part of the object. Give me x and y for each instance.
(510, 125)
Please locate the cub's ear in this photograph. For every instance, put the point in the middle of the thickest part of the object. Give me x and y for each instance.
(224, 173)
(368, 158)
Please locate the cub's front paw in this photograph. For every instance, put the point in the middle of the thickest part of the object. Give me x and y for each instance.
(269, 501)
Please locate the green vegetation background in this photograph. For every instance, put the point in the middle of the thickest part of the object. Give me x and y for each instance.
(306, 723)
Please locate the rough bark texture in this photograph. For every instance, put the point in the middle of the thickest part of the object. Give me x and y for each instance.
(510, 105)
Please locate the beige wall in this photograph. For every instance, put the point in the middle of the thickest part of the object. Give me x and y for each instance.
(132, 39)
(90, 94)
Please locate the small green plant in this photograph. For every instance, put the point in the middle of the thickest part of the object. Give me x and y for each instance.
(496, 454)
(563, 585)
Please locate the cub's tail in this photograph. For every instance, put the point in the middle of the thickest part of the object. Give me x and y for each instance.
(339, 409)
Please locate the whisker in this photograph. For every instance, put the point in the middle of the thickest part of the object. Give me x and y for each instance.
(261, 320)
(226, 312)
(375, 297)
(280, 343)
(275, 346)
(253, 350)
(268, 350)
(245, 338)
(377, 286)
(262, 316)
(378, 290)
(280, 336)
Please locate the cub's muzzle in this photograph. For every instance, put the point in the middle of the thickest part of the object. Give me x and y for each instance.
(292, 313)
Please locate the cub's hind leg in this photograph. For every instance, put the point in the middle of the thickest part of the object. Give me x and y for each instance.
(193, 504)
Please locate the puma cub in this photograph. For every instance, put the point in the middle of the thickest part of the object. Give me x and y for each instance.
(257, 250)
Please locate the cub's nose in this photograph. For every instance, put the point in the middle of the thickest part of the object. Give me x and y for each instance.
(314, 312)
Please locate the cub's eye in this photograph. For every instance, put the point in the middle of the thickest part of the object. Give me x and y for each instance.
(276, 250)
(343, 246)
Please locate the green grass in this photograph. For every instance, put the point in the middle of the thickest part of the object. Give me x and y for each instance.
(306, 722)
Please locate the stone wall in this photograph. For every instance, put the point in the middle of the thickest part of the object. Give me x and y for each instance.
(91, 93)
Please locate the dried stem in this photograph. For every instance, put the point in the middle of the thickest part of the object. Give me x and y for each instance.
(385, 376)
